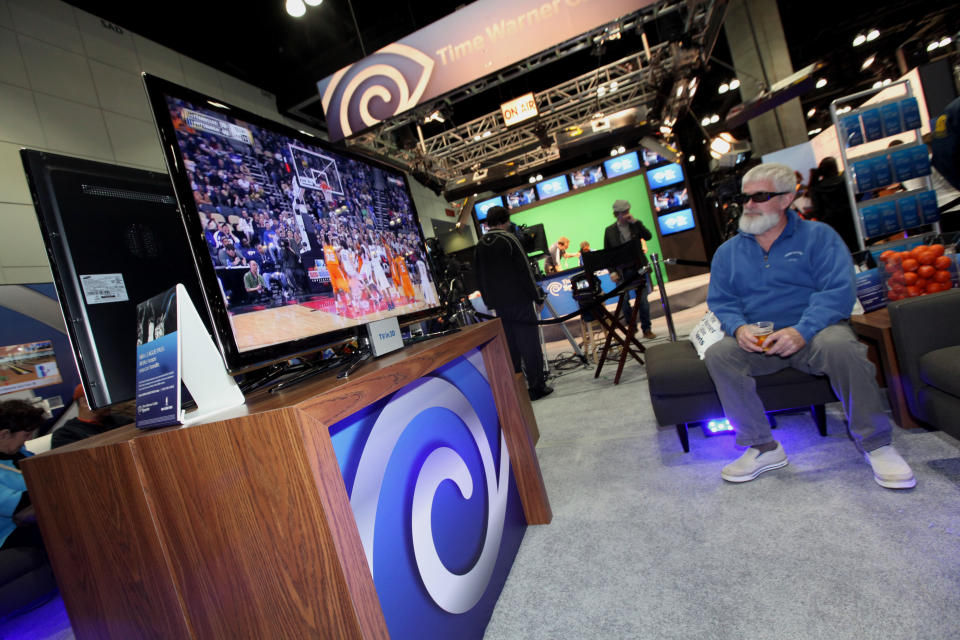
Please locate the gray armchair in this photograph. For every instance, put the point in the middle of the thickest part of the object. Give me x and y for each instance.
(926, 335)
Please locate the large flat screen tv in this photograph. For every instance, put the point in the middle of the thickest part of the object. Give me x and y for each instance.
(552, 187)
(330, 240)
(114, 237)
(481, 208)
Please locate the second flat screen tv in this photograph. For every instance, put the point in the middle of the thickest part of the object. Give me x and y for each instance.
(297, 243)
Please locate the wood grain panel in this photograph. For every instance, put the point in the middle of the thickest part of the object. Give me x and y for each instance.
(523, 456)
(526, 407)
(239, 503)
(104, 545)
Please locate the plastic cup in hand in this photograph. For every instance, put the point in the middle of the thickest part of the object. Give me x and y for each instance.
(760, 331)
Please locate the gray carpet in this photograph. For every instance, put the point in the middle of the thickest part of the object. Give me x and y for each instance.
(649, 542)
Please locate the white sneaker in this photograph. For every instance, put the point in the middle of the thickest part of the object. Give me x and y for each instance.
(890, 470)
(752, 463)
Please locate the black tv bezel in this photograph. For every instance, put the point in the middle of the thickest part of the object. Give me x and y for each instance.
(40, 167)
(237, 361)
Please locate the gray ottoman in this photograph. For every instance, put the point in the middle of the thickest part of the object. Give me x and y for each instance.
(682, 392)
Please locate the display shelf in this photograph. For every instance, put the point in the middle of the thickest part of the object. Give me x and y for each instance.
(881, 168)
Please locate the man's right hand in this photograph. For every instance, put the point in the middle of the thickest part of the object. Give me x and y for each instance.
(746, 340)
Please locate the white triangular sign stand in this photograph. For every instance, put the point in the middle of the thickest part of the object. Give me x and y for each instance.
(202, 370)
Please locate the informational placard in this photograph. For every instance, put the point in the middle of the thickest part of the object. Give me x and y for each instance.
(174, 350)
(519, 109)
(158, 362)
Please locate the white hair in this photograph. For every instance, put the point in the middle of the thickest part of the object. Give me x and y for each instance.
(782, 176)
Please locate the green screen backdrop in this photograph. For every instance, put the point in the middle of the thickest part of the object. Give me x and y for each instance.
(584, 215)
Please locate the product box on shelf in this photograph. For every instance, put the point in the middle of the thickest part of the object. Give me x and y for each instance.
(851, 131)
(907, 208)
(911, 113)
(872, 124)
(921, 160)
(863, 174)
(902, 161)
(880, 167)
(927, 203)
(890, 118)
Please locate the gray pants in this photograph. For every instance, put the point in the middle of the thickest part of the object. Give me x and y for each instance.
(834, 352)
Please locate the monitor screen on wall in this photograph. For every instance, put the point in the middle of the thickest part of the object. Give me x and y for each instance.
(521, 197)
(552, 187)
(676, 222)
(585, 176)
(651, 158)
(335, 237)
(671, 198)
(621, 165)
(668, 174)
(481, 208)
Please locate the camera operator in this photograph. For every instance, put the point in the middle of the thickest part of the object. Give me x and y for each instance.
(507, 285)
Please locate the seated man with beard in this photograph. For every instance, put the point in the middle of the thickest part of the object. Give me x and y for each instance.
(799, 275)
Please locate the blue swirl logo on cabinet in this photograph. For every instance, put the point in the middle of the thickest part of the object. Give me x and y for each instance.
(383, 84)
(429, 479)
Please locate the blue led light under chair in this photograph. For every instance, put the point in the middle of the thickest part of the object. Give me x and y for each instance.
(717, 426)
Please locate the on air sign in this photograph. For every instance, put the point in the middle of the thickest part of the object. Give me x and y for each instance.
(519, 109)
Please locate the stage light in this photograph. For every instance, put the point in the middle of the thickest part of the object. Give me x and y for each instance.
(720, 146)
(705, 121)
(886, 81)
(691, 158)
(723, 88)
(219, 105)
(859, 40)
(814, 132)
(811, 112)
(613, 152)
(933, 45)
(601, 91)
(680, 89)
(621, 149)
(531, 180)
(877, 84)
(873, 35)
(306, 133)
(734, 84)
(868, 62)
(539, 177)
(476, 138)
(714, 119)
(487, 133)
(821, 83)
(296, 8)
(665, 130)
(946, 41)
(435, 116)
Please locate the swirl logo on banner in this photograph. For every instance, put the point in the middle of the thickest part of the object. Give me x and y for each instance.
(378, 87)
(429, 479)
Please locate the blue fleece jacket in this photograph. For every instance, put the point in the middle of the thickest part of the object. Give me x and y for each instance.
(806, 280)
(12, 488)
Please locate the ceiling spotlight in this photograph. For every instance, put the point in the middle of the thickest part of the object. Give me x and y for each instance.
(877, 84)
(946, 41)
(723, 88)
(665, 130)
(306, 133)
(539, 177)
(734, 84)
(843, 110)
(476, 138)
(487, 133)
(873, 35)
(613, 152)
(621, 149)
(719, 145)
(811, 112)
(614, 85)
(691, 158)
(933, 45)
(868, 62)
(680, 89)
(814, 132)
(601, 91)
(705, 121)
(533, 179)
(886, 81)
(296, 8)
(821, 83)
(859, 40)
(714, 119)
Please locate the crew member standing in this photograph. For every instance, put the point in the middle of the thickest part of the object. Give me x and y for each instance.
(507, 285)
(626, 229)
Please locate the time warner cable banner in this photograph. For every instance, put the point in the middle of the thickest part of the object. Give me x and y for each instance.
(473, 42)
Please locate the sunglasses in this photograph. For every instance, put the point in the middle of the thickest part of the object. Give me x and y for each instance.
(759, 196)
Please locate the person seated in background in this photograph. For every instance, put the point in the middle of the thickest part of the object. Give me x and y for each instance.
(26, 578)
(90, 422)
(797, 274)
(229, 256)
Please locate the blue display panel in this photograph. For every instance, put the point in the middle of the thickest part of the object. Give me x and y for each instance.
(622, 164)
(482, 207)
(676, 222)
(428, 474)
(665, 176)
(552, 187)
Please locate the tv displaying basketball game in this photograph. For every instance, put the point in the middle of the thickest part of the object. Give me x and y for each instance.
(297, 243)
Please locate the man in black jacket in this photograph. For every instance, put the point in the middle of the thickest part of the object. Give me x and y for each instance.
(629, 229)
(507, 285)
